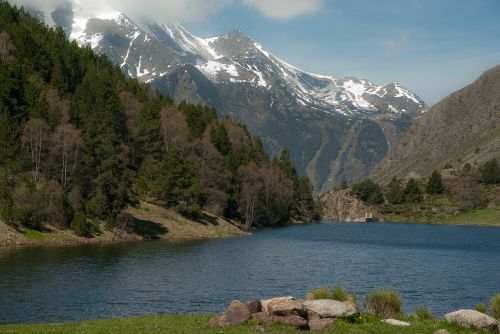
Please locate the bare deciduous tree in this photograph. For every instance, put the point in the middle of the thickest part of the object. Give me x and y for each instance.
(174, 129)
(35, 136)
(67, 145)
(469, 189)
(6, 47)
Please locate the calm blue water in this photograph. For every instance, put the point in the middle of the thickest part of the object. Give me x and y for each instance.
(442, 267)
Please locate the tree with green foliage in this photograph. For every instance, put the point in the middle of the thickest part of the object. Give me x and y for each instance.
(81, 226)
(81, 142)
(490, 172)
(412, 191)
(394, 193)
(220, 139)
(198, 117)
(434, 185)
(368, 191)
(174, 181)
(305, 208)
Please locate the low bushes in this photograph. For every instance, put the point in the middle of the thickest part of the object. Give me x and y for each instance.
(495, 306)
(81, 226)
(423, 313)
(319, 293)
(384, 303)
(337, 293)
(481, 308)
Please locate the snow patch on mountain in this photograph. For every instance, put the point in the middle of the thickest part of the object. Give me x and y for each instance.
(213, 68)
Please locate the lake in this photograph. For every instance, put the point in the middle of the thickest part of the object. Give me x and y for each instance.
(442, 267)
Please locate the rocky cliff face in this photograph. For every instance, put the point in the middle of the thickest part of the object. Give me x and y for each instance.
(337, 129)
(462, 128)
(340, 205)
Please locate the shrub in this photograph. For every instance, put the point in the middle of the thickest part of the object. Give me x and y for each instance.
(424, 313)
(434, 185)
(369, 192)
(394, 193)
(412, 192)
(319, 293)
(384, 303)
(490, 172)
(340, 294)
(495, 306)
(81, 226)
(481, 308)
(337, 293)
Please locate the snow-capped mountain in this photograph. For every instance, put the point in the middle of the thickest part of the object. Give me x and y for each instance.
(336, 128)
(233, 58)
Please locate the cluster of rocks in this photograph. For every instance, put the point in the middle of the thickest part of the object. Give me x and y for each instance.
(313, 314)
(321, 314)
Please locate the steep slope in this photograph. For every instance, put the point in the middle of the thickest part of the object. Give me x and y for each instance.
(462, 128)
(312, 115)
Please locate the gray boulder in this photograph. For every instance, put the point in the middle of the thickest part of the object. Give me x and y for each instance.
(328, 308)
(293, 320)
(267, 304)
(320, 324)
(288, 307)
(396, 322)
(263, 318)
(236, 314)
(253, 306)
(471, 318)
(442, 331)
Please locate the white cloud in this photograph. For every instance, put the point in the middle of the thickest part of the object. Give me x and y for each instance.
(185, 10)
(285, 9)
(176, 10)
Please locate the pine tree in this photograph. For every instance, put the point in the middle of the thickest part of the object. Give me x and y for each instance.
(412, 192)
(434, 185)
(490, 172)
(220, 139)
(369, 192)
(394, 193)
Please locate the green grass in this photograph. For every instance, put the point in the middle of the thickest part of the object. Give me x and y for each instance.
(365, 324)
(489, 216)
(337, 293)
(34, 235)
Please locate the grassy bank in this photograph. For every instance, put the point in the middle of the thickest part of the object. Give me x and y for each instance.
(431, 214)
(145, 222)
(198, 324)
(483, 217)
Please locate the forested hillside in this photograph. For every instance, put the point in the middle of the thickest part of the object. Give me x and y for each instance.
(80, 142)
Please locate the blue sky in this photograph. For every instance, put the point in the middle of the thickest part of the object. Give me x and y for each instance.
(432, 47)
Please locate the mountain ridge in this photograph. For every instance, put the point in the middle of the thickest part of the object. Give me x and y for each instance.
(310, 114)
(462, 128)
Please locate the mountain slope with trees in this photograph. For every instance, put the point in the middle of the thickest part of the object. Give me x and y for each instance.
(336, 128)
(462, 128)
(81, 143)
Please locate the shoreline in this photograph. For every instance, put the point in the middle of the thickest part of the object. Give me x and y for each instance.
(150, 223)
(65, 238)
(416, 223)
